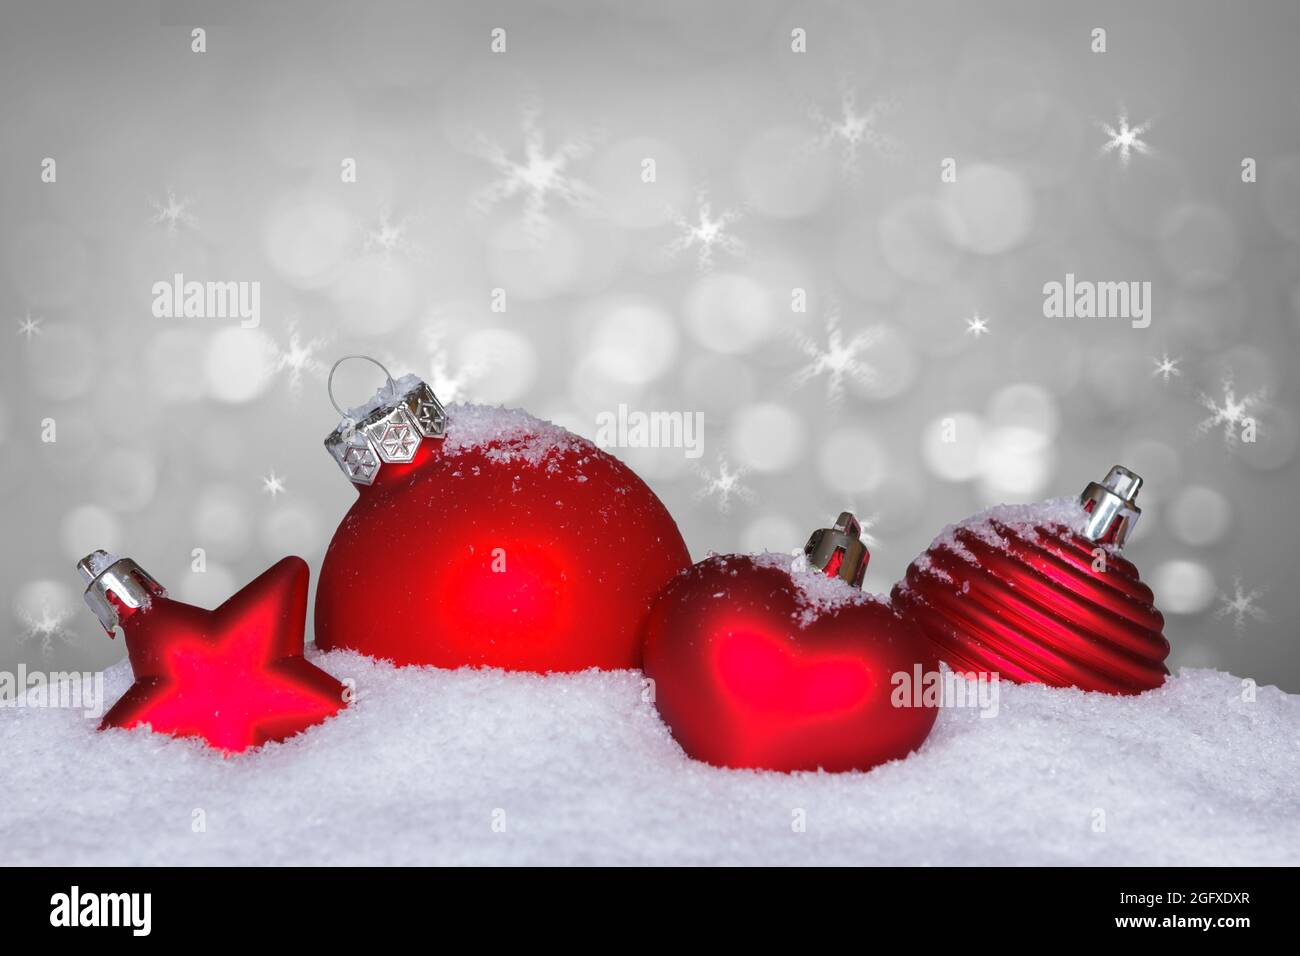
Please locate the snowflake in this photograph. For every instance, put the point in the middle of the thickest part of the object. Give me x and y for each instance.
(29, 326)
(1242, 605)
(174, 213)
(838, 360)
(1125, 139)
(538, 177)
(299, 358)
(1232, 413)
(1166, 367)
(47, 628)
(707, 233)
(388, 237)
(853, 129)
(724, 486)
(273, 484)
(977, 325)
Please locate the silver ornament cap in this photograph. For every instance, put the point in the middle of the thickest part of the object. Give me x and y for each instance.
(1111, 506)
(840, 551)
(386, 430)
(115, 583)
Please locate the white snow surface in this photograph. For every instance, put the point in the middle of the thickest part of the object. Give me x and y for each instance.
(580, 769)
(513, 434)
(1024, 519)
(816, 592)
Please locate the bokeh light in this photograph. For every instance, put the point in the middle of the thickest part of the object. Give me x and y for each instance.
(766, 436)
(1182, 587)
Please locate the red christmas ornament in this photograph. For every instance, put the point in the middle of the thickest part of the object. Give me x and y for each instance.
(485, 537)
(235, 676)
(760, 664)
(1040, 594)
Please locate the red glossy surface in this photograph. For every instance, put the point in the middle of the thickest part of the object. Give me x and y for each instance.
(235, 676)
(467, 559)
(1035, 610)
(742, 684)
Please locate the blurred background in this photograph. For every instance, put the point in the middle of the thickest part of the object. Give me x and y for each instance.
(790, 264)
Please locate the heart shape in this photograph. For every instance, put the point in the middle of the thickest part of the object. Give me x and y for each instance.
(755, 667)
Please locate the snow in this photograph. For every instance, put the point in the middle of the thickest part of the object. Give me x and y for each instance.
(579, 769)
(507, 434)
(97, 562)
(1023, 519)
(384, 395)
(817, 592)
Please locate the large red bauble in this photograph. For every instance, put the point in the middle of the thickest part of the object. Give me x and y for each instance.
(1023, 592)
(755, 667)
(236, 676)
(509, 542)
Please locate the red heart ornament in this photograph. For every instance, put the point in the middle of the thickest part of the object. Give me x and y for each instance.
(768, 663)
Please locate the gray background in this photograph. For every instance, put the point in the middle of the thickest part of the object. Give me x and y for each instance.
(168, 428)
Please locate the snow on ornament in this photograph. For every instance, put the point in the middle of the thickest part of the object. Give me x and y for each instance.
(782, 662)
(486, 537)
(1040, 593)
(235, 677)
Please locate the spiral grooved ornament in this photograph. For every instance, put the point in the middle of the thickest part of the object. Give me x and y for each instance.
(1040, 594)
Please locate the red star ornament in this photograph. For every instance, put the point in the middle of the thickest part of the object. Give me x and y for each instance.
(235, 677)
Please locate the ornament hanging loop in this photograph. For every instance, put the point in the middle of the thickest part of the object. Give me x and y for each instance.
(388, 429)
(329, 382)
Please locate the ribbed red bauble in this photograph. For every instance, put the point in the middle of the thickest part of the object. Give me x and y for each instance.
(783, 663)
(1040, 593)
(485, 537)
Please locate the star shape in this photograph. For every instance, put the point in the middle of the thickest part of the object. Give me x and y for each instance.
(273, 484)
(541, 175)
(840, 359)
(977, 325)
(389, 237)
(360, 462)
(1242, 605)
(853, 129)
(706, 234)
(724, 486)
(298, 358)
(236, 676)
(1124, 139)
(174, 213)
(47, 628)
(1232, 413)
(1166, 367)
(29, 326)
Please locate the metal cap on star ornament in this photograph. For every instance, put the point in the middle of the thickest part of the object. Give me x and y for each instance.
(117, 588)
(387, 429)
